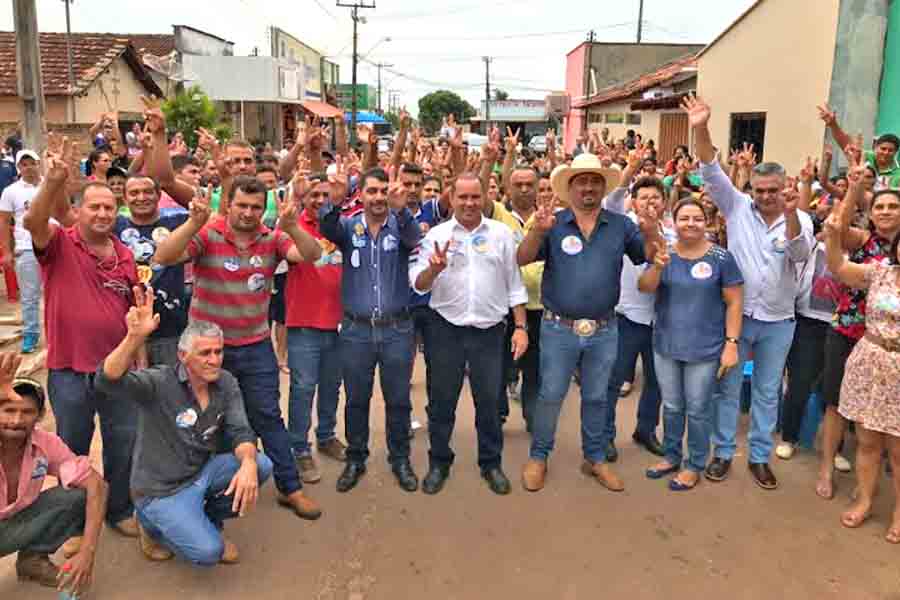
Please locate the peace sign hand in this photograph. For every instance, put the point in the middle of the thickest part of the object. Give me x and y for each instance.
(154, 118)
(287, 214)
(662, 258)
(438, 261)
(396, 192)
(544, 218)
(199, 208)
(512, 139)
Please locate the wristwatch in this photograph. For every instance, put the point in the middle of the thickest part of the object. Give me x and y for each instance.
(734, 341)
(523, 326)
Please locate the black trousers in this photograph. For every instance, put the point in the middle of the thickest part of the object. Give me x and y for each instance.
(43, 527)
(450, 348)
(805, 363)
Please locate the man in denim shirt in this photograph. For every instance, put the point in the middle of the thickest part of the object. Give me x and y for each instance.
(767, 236)
(377, 328)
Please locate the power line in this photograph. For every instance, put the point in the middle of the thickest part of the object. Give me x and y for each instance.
(325, 10)
(452, 11)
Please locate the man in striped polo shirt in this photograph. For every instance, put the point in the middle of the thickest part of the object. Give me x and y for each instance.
(234, 264)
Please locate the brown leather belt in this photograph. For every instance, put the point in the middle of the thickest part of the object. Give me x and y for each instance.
(581, 327)
(888, 345)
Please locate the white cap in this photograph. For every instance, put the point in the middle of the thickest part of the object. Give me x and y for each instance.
(27, 154)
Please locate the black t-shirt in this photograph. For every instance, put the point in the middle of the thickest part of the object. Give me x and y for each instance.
(167, 282)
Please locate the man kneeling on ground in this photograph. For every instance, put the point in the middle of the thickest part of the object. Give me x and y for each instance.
(183, 490)
(36, 523)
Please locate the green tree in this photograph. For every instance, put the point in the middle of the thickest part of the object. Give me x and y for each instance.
(436, 105)
(392, 118)
(500, 95)
(191, 109)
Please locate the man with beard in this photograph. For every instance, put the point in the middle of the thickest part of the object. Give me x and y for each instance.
(142, 231)
(377, 329)
(89, 275)
(234, 263)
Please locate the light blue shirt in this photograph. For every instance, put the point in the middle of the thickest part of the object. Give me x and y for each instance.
(766, 258)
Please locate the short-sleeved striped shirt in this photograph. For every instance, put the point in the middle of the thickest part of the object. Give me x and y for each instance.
(233, 286)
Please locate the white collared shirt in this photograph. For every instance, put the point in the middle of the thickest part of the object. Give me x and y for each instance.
(16, 199)
(482, 279)
(766, 258)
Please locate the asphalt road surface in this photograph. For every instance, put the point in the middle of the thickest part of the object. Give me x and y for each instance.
(574, 540)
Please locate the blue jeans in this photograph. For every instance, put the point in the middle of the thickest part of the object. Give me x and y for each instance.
(561, 352)
(687, 389)
(190, 521)
(315, 361)
(28, 274)
(364, 347)
(769, 343)
(256, 369)
(635, 339)
(75, 402)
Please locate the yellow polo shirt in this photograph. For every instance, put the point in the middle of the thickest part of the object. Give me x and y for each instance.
(532, 273)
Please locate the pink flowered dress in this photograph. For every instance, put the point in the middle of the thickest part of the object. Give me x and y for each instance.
(870, 393)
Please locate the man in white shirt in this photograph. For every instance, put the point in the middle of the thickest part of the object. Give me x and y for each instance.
(469, 265)
(14, 204)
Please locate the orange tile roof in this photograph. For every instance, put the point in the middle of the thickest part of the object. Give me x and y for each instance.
(92, 53)
(663, 74)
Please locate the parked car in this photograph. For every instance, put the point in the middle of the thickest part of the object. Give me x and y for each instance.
(475, 140)
(538, 144)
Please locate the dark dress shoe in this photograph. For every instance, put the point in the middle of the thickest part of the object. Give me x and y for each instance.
(434, 480)
(353, 472)
(496, 480)
(718, 469)
(648, 441)
(406, 477)
(612, 453)
(763, 476)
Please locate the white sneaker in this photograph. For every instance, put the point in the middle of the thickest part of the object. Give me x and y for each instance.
(842, 464)
(785, 450)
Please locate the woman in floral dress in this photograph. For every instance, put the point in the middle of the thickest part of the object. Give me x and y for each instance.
(870, 393)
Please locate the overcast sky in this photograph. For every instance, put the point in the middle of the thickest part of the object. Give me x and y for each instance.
(434, 44)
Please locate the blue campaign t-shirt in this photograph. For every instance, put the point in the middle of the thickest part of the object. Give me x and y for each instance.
(690, 311)
(167, 282)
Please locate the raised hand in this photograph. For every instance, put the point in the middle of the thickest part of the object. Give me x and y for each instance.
(832, 225)
(698, 111)
(396, 192)
(544, 217)
(490, 152)
(662, 257)
(299, 185)
(405, 119)
(827, 152)
(154, 119)
(648, 222)
(438, 260)
(808, 172)
(58, 158)
(199, 208)
(339, 181)
(141, 320)
(827, 115)
(9, 366)
(746, 157)
(550, 139)
(287, 213)
(791, 199)
(512, 139)
(363, 132)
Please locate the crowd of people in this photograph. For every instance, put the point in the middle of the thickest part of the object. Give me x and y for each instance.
(179, 283)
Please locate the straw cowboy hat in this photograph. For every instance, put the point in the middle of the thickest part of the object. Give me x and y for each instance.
(583, 163)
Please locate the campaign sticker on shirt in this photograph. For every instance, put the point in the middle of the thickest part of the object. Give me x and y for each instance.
(186, 418)
(354, 259)
(359, 241)
(256, 282)
(159, 234)
(231, 264)
(779, 244)
(40, 468)
(480, 244)
(571, 245)
(702, 270)
(358, 229)
(390, 243)
(518, 236)
(145, 274)
(256, 261)
(129, 236)
(143, 251)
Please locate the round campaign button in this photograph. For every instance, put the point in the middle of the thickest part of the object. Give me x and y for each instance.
(186, 418)
(354, 258)
(231, 264)
(145, 274)
(130, 235)
(572, 245)
(159, 234)
(480, 244)
(256, 282)
(255, 261)
(779, 244)
(702, 270)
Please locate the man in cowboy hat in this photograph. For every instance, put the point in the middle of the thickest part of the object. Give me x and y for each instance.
(582, 247)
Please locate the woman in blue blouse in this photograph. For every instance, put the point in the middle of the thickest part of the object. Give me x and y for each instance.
(699, 302)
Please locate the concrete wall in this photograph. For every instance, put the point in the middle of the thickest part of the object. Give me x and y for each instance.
(774, 61)
(116, 89)
(575, 119)
(889, 109)
(191, 41)
(858, 60)
(618, 63)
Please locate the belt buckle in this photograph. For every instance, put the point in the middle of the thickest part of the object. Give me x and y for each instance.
(584, 327)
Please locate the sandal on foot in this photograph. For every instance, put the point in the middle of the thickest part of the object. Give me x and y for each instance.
(854, 520)
(678, 486)
(653, 473)
(893, 535)
(824, 490)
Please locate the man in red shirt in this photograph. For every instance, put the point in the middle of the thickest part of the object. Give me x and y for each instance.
(33, 521)
(88, 276)
(234, 265)
(314, 310)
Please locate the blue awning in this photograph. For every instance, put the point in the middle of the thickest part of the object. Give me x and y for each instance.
(365, 116)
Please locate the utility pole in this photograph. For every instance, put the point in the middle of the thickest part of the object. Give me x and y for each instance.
(487, 94)
(640, 22)
(28, 73)
(69, 58)
(354, 14)
(380, 65)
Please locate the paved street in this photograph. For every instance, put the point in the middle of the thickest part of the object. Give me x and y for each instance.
(571, 541)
